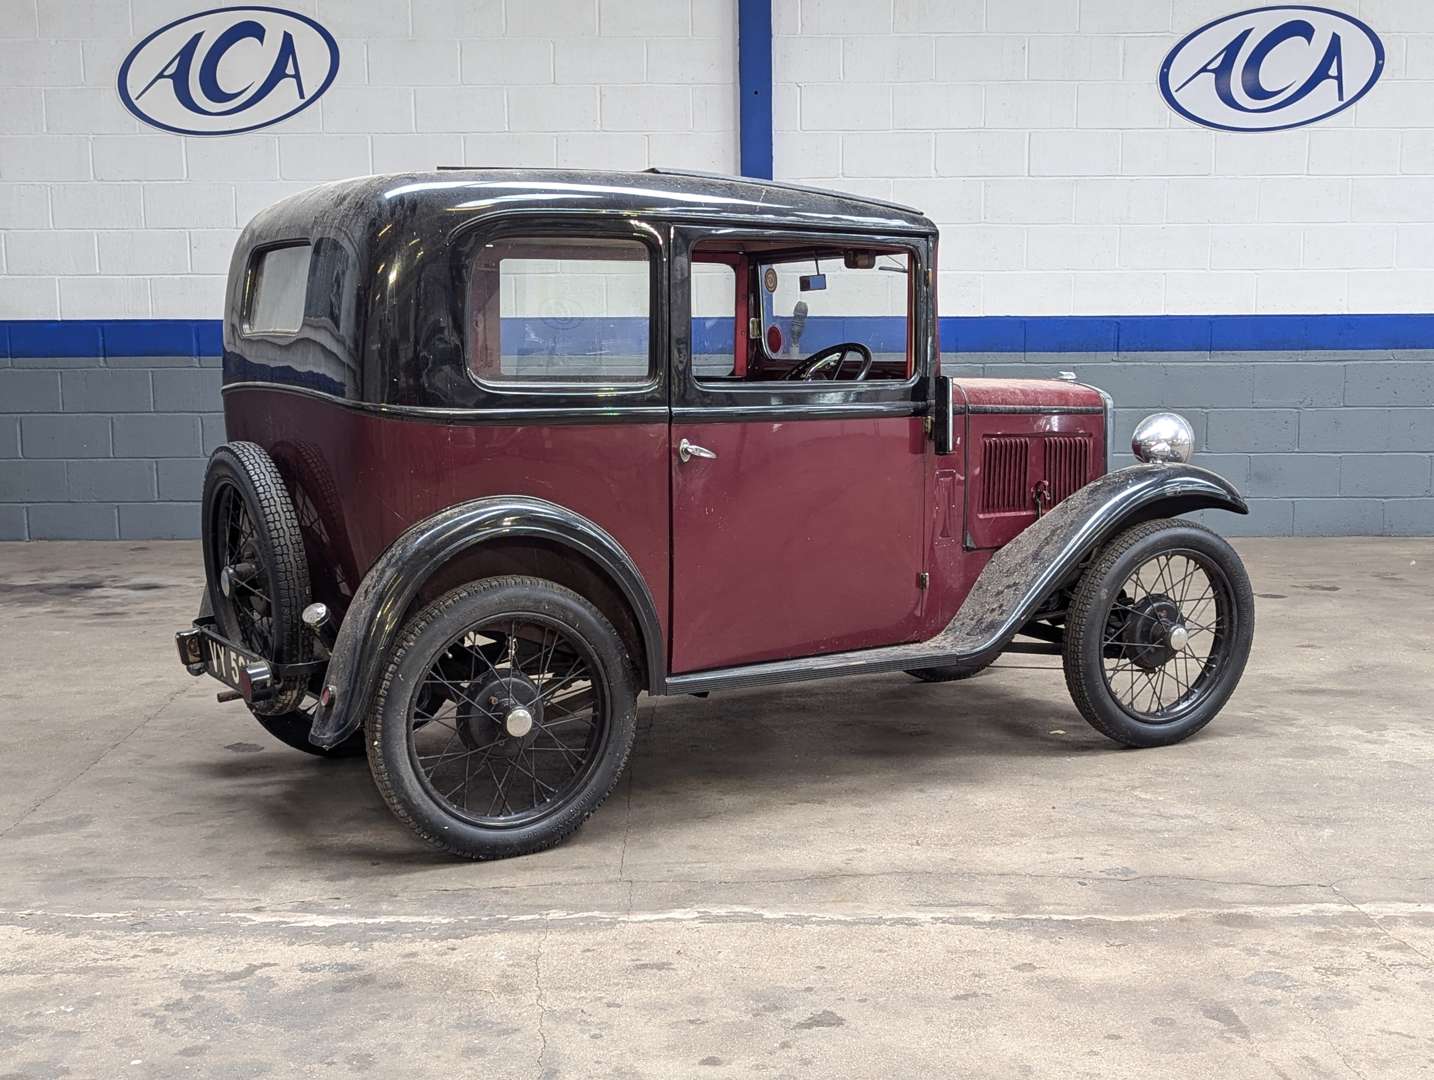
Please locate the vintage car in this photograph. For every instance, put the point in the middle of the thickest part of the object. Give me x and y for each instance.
(508, 448)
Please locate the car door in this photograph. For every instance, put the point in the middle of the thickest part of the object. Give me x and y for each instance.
(797, 505)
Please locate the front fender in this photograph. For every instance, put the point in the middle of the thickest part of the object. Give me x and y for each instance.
(375, 617)
(1048, 554)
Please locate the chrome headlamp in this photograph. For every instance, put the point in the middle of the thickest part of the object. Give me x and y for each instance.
(1163, 436)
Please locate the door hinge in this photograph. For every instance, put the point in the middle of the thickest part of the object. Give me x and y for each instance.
(923, 580)
(926, 424)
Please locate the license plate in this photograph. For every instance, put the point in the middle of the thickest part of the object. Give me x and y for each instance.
(226, 661)
(203, 652)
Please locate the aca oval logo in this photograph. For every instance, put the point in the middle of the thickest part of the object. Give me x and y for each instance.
(1271, 68)
(228, 70)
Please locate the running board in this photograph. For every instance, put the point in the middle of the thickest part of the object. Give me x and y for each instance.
(1012, 587)
(833, 665)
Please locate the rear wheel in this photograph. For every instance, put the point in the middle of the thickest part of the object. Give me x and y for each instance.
(504, 718)
(1158, 633)
(254, 560)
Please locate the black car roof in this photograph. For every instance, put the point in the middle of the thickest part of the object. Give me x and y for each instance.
(659, 192)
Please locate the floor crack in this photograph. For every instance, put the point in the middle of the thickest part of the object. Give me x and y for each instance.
(1382, 928)
(540, 1003)
(626, 826)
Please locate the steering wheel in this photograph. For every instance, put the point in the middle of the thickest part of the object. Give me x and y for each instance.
(833, 356)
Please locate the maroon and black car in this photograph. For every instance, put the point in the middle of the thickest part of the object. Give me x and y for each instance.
(508, 448)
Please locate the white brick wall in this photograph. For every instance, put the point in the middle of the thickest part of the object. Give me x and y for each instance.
(1034, 133)
(1031, 130)
(102, 216)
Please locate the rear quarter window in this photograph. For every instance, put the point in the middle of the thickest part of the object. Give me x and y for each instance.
(281, 282)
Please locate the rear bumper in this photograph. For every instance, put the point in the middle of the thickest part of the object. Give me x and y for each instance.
(204, 651)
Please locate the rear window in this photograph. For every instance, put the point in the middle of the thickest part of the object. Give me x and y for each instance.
(281, 282)
(560, 310)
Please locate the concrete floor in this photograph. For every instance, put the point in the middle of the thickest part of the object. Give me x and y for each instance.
(863, 878)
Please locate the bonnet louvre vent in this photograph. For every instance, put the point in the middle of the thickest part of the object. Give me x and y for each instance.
(1005, 464)
(1067, 464)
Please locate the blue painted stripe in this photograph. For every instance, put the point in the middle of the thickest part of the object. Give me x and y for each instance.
(754, 87)
(24, 338)
(27, 338)
(54, 338)
(1185, 333)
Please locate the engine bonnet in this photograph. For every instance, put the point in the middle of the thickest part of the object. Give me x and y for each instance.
(1049, 393)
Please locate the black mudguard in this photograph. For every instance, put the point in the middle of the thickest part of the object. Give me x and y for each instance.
(1048, 554)
(373, 621)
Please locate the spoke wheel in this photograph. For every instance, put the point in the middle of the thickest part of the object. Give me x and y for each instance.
(509, 720)
(245, 588)
(1158, 633)
(1170, 628)
(255, 565)
(504, 718)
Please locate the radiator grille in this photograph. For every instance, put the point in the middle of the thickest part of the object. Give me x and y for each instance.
(1067, 464)
(1004, 467)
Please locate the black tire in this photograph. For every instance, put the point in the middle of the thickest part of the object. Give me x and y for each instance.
(292, 729)
(319, 510)
(1111, 634)
(944, 674)
(445, 633)
(242, 479)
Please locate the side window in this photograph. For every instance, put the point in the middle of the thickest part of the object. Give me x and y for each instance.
(560, 310)
(714, 319)
(832, 312)
(281, 282)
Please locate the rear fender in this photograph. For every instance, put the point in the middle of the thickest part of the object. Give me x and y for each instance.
(374, 618)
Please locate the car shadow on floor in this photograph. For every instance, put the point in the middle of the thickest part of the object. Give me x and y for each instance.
(731, 753)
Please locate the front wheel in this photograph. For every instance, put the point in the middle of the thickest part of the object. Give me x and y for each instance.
(504, 718)
(1158, 633)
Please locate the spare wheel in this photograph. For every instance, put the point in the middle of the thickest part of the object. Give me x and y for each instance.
(254, 562)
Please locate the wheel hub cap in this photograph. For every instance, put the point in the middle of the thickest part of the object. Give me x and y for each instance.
(519, 722)
(242, 573)
(1154, 632)
(506, 707)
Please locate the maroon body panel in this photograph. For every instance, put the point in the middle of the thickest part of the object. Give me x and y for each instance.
(952, 566)
(1012, 454)
(802, 537)
(1021, 463)
(361, 479)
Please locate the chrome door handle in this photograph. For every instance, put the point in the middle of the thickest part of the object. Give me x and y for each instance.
(686, 451)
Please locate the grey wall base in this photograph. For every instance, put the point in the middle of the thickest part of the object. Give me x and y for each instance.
(1323, 444)
(112, 449)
